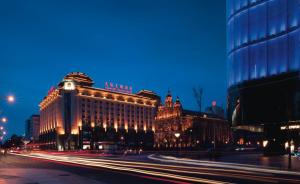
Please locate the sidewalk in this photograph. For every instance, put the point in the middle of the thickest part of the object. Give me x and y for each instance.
(40, 176)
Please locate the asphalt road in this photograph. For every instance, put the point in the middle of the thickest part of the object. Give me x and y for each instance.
(94, 173)
(159, 170)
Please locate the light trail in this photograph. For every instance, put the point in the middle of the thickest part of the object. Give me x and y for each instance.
(160, 165)
(196, 171)
(221, 165)
(229, 175)
(125, 168)
(182, 172)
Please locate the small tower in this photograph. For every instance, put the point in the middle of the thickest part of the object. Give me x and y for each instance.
(169, 100)
(177, 107)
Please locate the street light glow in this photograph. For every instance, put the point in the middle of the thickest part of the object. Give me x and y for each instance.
(10, 98)
(4, 120)
(177, 135)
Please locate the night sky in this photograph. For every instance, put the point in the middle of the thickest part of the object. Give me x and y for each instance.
(156, 45)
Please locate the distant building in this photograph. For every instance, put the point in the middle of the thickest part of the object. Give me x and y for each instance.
(176, 127)
(215, 110)
(32, 128)
(76, 115)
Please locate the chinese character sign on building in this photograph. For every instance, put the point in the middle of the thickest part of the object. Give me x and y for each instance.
(118, 87)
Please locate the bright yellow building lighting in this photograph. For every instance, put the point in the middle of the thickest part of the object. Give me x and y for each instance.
(74, 132)
(265, 143)
(292, 148)
(286, 145)
(135, 128)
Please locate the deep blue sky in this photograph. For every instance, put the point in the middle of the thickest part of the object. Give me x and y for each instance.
(155, 44)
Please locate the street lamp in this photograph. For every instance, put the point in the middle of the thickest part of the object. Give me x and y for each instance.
(2, 133)
(177, 135)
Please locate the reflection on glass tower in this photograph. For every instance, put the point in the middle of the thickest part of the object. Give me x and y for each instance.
(263, 60)
(263, 38)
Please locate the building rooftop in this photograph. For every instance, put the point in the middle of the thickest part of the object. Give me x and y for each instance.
(80, 79)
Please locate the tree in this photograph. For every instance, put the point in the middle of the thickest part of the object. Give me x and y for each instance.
(198, 93)
(14, 142)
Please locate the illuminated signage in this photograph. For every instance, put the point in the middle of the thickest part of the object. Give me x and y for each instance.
(118, 87)
(290, 127)
(69, 85)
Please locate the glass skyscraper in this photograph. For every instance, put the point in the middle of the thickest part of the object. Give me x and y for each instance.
(263, 57)
(263, 38)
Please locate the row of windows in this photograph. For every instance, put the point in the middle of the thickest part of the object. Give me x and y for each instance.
(266, 58)
(266, 19)
(112, 105)
(48, 117)
(112, 117)
(117, 110)
(119, 98)
(122, 113)
(234, 6)
(120, 124)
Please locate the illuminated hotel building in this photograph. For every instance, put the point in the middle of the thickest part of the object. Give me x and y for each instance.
(76, 115)
(176, 127)
(263, 56)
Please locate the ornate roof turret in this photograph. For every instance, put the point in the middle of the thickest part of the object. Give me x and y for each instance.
(169, 94)
(169, 100)
(177, 102)
(79, 78)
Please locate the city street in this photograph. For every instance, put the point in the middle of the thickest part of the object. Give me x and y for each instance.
(140, 169)
(150, 92)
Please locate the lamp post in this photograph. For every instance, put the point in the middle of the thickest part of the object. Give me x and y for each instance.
(9, 99)
(289, 149)
(2, 133)
(177, 135)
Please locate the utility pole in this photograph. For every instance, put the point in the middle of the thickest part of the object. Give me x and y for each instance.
(290, 150)
(214, 138)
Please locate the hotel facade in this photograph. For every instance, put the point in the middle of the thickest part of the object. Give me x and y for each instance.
(76, 115)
